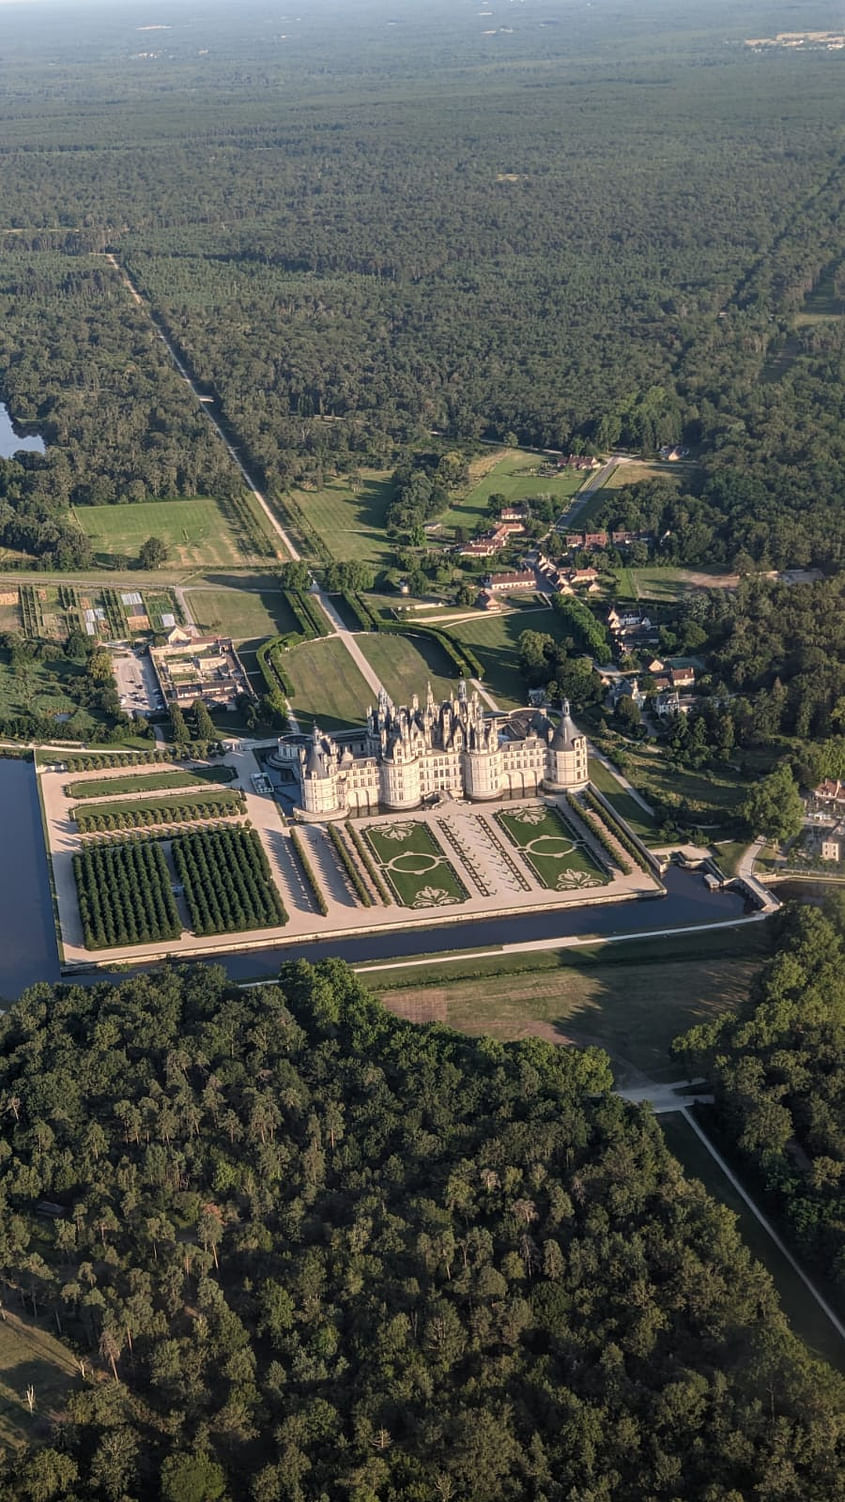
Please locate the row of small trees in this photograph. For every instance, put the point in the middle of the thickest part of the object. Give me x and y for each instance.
(617, 830)
(599, 832)
(125, 894)
(94, 761)
(141, 815)
(227, 881)
(368, 863)
(349, 866)
(309, 873)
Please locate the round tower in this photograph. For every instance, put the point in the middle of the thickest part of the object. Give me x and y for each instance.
(566, 757)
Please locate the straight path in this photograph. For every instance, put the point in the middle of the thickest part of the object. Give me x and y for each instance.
(621, 779)
(583, 495)
(338, 626)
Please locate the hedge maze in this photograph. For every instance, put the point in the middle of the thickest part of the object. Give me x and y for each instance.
(227, 881)
(125, 896)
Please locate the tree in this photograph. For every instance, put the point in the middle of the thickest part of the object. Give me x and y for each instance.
(206, 729)
(192, 1478)
(773, 807)
(295, 575)
(153, 553)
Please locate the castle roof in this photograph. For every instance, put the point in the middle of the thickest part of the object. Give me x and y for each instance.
(315, 765)
(566, 733)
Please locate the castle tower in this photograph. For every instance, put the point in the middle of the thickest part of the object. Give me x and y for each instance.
(319, 783)
(566, 757)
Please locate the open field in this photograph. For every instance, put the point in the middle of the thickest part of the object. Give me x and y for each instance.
(347, 517)
(413, 863)
(630, 999)
(669, 583)
(495, 641)
(406, 664)
(30, 1356)
(630, 810)
(510, 476)
(633, 471)
(327, 686)
(549, 847)
(246, 614)
(198, 533)
(804, 1315)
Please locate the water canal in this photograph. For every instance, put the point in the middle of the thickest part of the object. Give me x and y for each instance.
(28, 950)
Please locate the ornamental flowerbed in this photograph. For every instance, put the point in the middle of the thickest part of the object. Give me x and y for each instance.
(414, 865)
(558, 859)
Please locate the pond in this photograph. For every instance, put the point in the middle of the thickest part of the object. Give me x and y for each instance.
(11, 442)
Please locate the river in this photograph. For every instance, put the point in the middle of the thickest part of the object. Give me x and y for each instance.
(28, 949)
(11, 442)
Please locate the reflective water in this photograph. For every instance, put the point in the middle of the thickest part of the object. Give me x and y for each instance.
(11, 442)
(28, 949)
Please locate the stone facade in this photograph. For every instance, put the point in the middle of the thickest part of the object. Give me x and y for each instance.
(406, 755)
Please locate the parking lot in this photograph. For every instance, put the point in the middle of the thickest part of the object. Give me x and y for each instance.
(137, 688)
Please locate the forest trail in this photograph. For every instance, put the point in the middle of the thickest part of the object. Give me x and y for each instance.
(338, 627)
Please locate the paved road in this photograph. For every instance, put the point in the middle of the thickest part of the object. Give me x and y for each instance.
(745, 871)
(596, 481)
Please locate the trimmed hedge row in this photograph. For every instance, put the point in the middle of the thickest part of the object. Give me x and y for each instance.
(309, 617)
(309, 874)
(368, 863)
(227, 881)
(142, 816)
(616, 829)
(125, 894)
(599, 833)
(349, 867)
(97, 761)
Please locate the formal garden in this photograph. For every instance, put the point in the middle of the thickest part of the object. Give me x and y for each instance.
(552, 851)
(414, 865)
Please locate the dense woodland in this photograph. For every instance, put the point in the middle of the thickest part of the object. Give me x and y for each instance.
(778, 1070)
(308, 1250)
(579, 230)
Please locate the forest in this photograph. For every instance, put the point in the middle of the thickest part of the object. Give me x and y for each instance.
(778, 1070)
(304, 1249)
(611, 238)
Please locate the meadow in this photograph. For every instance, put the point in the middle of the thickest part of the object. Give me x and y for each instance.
(508, 473)
(249, 613)
(197, 533)
(347, 516)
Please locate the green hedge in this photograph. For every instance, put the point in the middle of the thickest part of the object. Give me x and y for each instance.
(368, 863)
(599, 832)
(349, 867)
(617, 830)
(309, 874)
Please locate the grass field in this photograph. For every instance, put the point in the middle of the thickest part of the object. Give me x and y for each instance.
(631, 811)
(509, 476)
(702, 792)
(406, 664)
(137, 782)
(197, 533)
(801, 1309)
(29, 1356)
(327, 686)
(413, 863)
(349, 521)
(169, 808)
(251, 613)
(495, 641)
(633, 471)
(628, 998)
(548, 846)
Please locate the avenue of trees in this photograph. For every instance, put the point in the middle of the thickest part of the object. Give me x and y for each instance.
(777, 1066)
(306, 1249)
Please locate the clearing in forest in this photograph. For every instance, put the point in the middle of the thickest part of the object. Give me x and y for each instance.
(30, 1357)
(347, 515)
(200, 532)
(515, 476)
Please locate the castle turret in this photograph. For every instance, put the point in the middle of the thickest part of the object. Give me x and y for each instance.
(566, 758)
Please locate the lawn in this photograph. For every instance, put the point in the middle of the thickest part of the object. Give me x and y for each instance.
(249, 613)
(630, 810)
(669, 584)
(414, 864)
(406, 664)
(327, 686)
(804, 1315)
(348, 516)
(29, 1356)
(495, 641)
(197, 533)
(170, 808)
(151, 782)
(550, 849)
(631, 998)
(510, 476)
